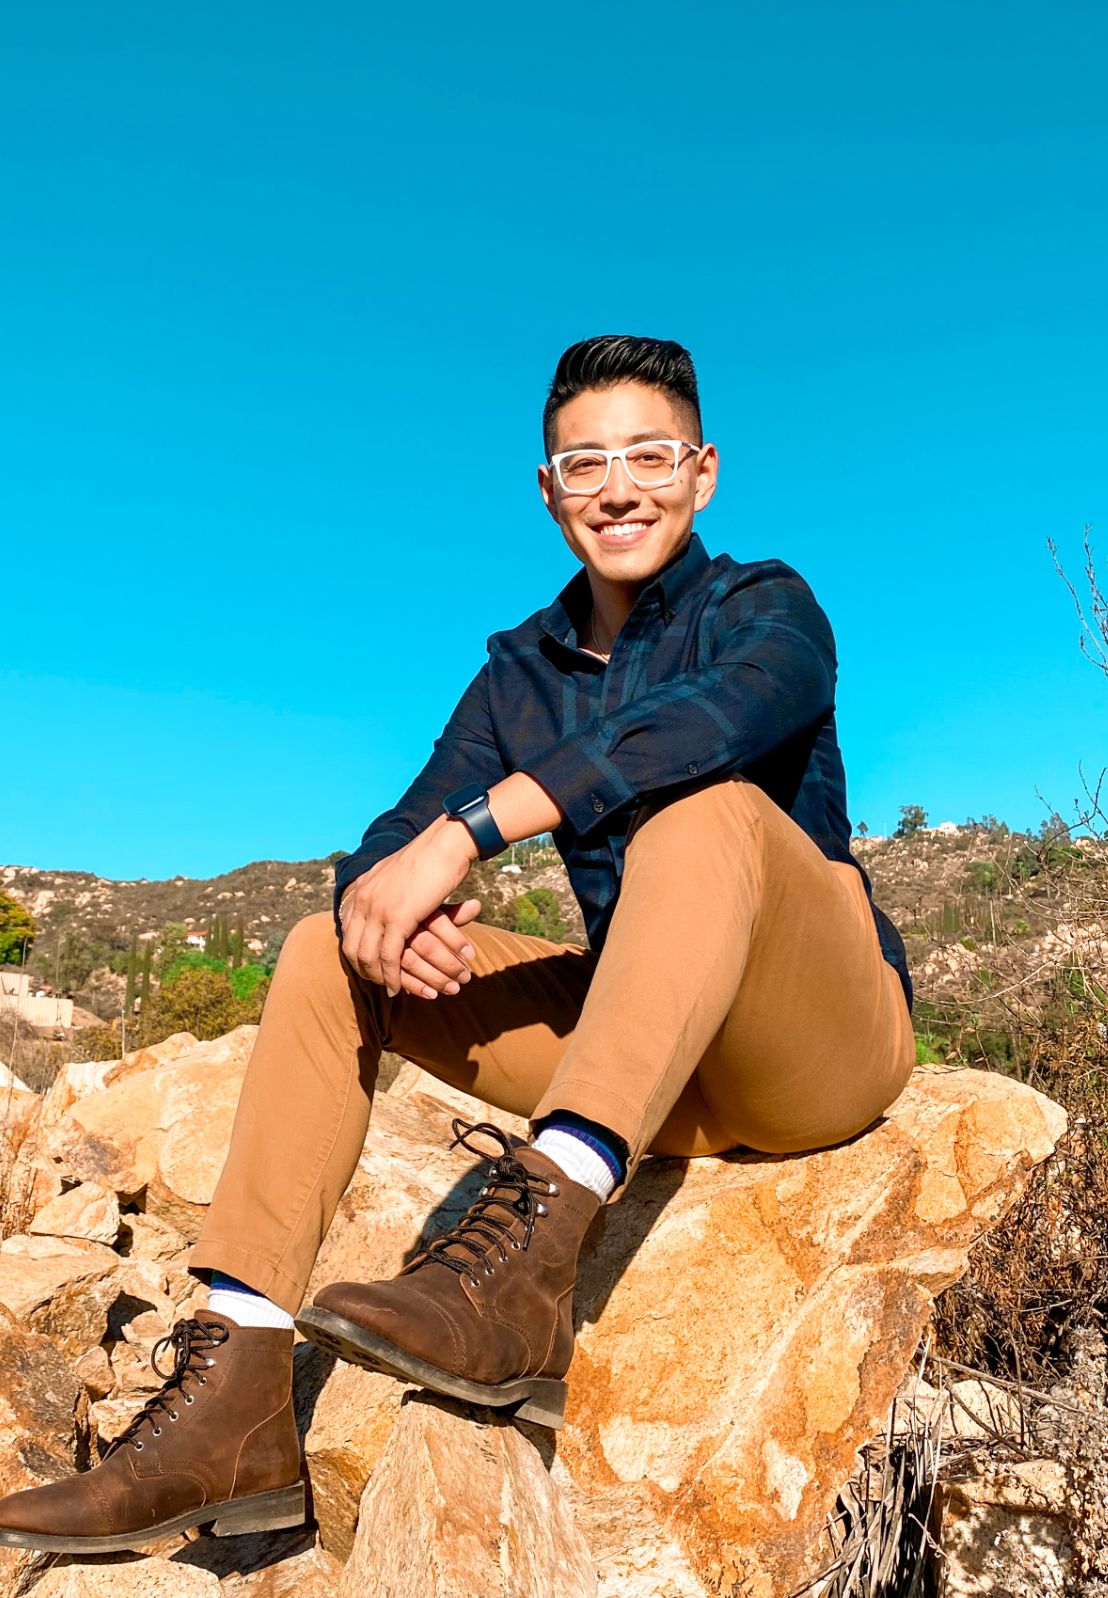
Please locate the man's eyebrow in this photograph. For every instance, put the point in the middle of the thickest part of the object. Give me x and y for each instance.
(636, 438)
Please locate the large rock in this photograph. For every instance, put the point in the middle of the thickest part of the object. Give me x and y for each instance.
(44, 1426)
(43, 1412)
(744, 1322)
(457, 1506)
(114, 1135)
(32, 1269)
(1005, 1529)
(346, 1416)
(87, 1210)
(730, 1363)
(127, 1578)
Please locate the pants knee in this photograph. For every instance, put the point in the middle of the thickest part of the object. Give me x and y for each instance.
(729, 797)
(311, 938)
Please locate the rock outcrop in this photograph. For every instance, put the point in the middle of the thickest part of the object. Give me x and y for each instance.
(743, 1324)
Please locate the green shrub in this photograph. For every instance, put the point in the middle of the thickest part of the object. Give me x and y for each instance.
(536, 914)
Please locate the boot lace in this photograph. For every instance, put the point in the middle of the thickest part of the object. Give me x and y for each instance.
(190, 1340)
(509, 1186)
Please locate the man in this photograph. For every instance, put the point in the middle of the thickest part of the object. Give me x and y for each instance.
(670, 718)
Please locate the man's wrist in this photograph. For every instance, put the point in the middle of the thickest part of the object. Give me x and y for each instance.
(459, 837)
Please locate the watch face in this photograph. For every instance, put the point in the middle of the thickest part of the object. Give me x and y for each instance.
(466, 795)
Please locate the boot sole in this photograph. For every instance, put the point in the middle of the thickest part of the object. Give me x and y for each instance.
(541, 1399)
(272, 1511)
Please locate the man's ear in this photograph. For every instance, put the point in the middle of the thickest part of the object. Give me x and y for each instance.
(546, 489)
(707, 475)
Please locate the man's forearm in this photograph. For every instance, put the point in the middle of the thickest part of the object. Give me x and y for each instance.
(521, 808)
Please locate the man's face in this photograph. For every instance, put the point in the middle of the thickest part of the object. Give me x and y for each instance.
(623, 533)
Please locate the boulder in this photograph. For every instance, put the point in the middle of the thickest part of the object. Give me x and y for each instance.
(743, 1324)
(346, 1416)
(87, 1210)
(274, 1564)
(43, 1412)
(1005, 1528)
(147, 1237)
(124, 1577)
(32, 1269)
(78, 1078)
(114, 1136)
(311, 1573)
(743, 1321)
(459, 1505)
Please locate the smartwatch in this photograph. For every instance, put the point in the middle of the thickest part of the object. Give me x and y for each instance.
(470, 804)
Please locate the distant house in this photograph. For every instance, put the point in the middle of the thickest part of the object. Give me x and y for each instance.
(198, 940)
(515, 870)
(37, 1009)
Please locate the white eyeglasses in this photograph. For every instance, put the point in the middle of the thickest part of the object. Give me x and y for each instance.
(651, 464)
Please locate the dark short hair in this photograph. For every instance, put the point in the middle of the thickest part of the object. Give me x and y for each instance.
(612, 358)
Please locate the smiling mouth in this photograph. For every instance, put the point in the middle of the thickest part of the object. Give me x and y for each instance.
(618, 531)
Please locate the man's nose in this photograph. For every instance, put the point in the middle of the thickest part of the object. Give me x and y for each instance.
(620, 488)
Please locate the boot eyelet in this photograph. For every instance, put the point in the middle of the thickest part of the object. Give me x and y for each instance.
(489, 1271)
(189, 1399)
(173, 1415)
(474, 1282)
(140, 1447)
(157, 1431)
(554, 1190)
(484, 1192)
(541, 1209)
(518, 1246)
(203, 1380)
(209, 1362)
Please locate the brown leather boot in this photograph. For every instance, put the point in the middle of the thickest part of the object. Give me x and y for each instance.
(485, 1313)
(217, 1443)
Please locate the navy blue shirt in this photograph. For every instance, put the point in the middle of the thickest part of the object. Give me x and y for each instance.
(722, 666)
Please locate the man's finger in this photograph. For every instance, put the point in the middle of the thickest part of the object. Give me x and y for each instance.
(427, 975)
(392, 949)
(427, 945)
(460, 915)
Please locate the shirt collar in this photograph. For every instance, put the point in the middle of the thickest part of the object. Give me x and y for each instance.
(665, 590)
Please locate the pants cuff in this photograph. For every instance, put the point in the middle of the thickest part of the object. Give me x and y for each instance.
(596, 1104)
(260, 1274)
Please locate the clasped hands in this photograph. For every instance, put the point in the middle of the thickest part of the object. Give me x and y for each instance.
(397, 929)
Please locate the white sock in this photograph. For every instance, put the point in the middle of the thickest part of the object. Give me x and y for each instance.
(577, 1160)
(228, 1296)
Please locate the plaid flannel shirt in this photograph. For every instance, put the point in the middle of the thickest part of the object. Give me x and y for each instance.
(722, 666)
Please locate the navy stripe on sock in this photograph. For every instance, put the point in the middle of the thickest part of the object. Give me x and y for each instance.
(601, 1139)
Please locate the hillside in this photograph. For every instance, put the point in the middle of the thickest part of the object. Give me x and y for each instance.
(978, 907)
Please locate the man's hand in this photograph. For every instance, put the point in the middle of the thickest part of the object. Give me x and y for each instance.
(397, 929)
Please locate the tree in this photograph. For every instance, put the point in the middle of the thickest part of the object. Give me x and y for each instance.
(17, 930)
(147, 959)
(913, 818)
(200, 1001)
(1094, 633)
(172, 944)
(132, 971)
(537, 915)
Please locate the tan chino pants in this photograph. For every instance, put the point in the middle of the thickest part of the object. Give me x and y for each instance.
(741, 999)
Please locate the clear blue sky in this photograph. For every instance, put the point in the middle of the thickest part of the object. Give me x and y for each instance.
(276, 280)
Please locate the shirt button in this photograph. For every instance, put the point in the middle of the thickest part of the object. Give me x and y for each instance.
(597, 803)
(692, 768)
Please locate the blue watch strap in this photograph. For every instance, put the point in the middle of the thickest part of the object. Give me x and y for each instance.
(470, 804)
